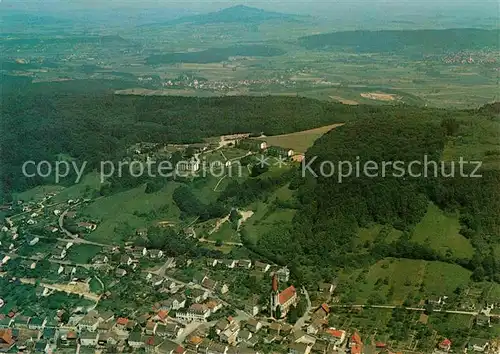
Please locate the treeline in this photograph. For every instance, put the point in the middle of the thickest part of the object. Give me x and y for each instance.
(436, 40)
(216, 55)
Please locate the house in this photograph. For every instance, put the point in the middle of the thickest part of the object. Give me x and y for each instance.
(215, 348)
(244, 335)
(334, 336)
(229, 263)
(141, 232)
(253, 325)
(89, 339)
(170, 263)
(154, 279)
(33, 241)
(106, 316)
(478, 345)
(37, 323)
(196, 312)
(150, 327)
(100, 259)
(126, 260)
(211, 262)
(445, 345)
(139, 252)
(230, 334)
(197, 295)
(7, 340)
(252, 306)
(135, 340)
(69, 339)
(167, 347)
(214, 305)
(155, 254)
(299, 348)
(172, 330)
(252, 144)
(89, 323)
(316, 326)
(262, 267)
(121, 323)
(279, 151)
(175, 302)
(245, 263)
(327, 288)
(300, 336)
(223, 288)
(58, 253)
(120, 272)
(322, 312)
(483, 321)
(42, 346)
(274, 328)
(209, 283)
(21, 321)
(88, 226)
(355, 343)
(283, 274)
(108, 338)
(104, 327)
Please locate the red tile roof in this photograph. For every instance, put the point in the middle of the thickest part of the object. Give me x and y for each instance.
(122, 321)
(163, 314)
(380, 345)
(445, 343)
(6, 336)
(356, 339)
(71, 335)
(287, 294)
(179, 350)
(335, 332)
(356, 349)
(325, 307)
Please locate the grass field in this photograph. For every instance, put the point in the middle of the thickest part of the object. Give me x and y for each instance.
(370, 234)
(38, 193)
(441, 233)
(88, 185)
(226, 233)
(120, 212)
(392, 281)
(300, 141)
(82, 254)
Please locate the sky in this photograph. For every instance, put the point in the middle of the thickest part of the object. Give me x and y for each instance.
(327, 9)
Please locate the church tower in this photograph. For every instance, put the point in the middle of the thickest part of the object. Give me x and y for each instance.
(274, 297)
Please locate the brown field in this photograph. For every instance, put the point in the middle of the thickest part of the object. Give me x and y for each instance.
(344, 100)
(299, 141)
(380, 96)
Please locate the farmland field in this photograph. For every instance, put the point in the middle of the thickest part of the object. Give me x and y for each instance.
(393, 281)
(299, 141)
(441, 233)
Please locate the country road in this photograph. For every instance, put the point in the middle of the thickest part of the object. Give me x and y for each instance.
(301, 321)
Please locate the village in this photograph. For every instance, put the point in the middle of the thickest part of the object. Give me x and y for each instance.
(130, 298)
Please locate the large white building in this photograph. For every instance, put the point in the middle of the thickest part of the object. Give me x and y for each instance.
(196, 312)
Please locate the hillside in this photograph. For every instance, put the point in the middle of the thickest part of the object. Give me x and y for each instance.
(404, 40)
(236, 14)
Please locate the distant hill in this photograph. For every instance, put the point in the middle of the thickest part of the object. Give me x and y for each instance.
(397, 40)
(235, 14)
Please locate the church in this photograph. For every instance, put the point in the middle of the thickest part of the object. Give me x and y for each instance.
(282, 301)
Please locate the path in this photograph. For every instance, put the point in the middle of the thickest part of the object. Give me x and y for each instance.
(61, 224)
(301, 321)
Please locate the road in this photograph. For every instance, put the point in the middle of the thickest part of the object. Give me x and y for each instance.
(61, 224)
(301, 321)
(420, 309)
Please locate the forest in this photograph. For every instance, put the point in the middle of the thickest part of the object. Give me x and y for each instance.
(216, 55)
(404, 40)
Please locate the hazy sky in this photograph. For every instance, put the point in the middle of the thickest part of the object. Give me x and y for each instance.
(290, 5)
